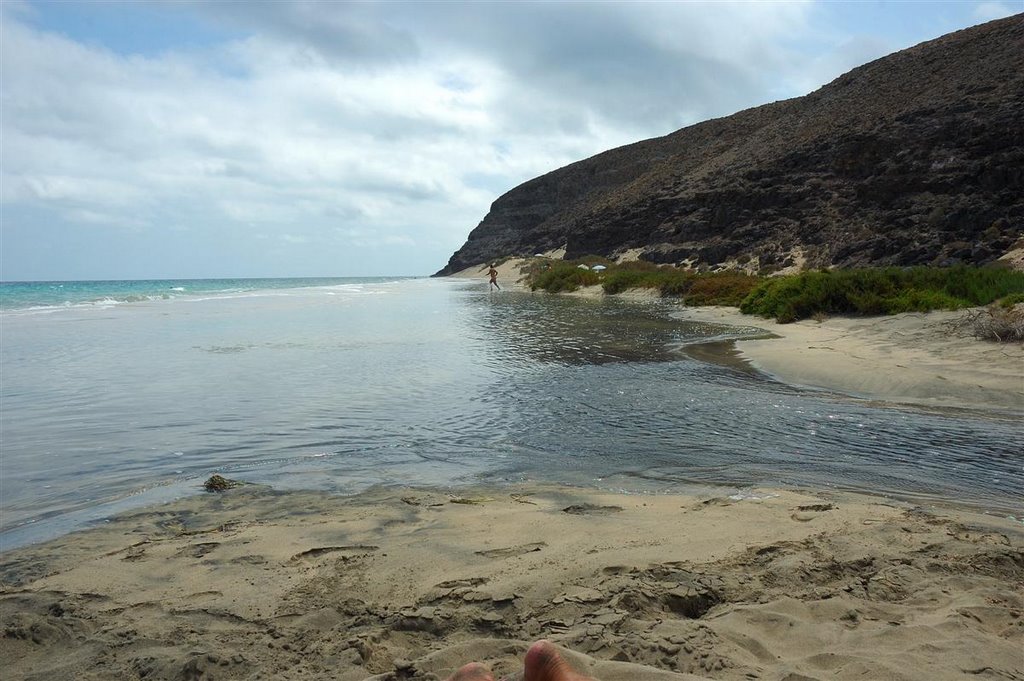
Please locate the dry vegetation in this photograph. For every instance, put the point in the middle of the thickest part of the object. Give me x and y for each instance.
(995, 323)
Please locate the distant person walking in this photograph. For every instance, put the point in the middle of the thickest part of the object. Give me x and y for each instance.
(493, 274)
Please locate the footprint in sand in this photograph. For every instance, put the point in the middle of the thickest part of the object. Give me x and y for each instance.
(134, 553)
(203, 596)
(432, 502)
(198, 550)
(808, 512)
(456, 583)
(322, 550)
(510, 551)
(714, 501)
(591, 509)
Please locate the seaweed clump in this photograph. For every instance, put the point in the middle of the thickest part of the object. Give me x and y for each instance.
(218, 483)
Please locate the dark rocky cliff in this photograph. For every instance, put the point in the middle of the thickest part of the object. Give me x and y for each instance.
(916, 158)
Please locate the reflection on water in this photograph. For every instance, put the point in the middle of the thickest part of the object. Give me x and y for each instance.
(521, 328)
(436, 382)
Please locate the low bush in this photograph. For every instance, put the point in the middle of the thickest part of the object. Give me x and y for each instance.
(718, 288)
(872, 291)
(563, 276)
(622, 279)
(1011, 300)
(880, 291)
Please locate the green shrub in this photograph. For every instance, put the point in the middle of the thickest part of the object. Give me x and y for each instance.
(675, 283)
(621, 279)
(563, 276)
(717, 288)
(880, 291)
(1011, 300)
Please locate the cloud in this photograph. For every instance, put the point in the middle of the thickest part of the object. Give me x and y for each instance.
(403, 121)
(90, 133)
(342, 33)
(988, 11)
(645, 65)
(107, 219)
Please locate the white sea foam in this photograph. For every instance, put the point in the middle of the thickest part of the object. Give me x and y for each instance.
(104, 303)
(240, 295)
(752, 496)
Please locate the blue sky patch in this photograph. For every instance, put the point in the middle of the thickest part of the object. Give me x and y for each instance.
(130, 28)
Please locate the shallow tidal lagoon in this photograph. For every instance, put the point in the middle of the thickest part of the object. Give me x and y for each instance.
(121, 394)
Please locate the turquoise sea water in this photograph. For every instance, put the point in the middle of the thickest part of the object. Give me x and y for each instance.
(115, 395)
(44, 295)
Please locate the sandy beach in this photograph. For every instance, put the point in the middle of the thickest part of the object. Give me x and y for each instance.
(912, 358)
(255, 425)
(412, 583)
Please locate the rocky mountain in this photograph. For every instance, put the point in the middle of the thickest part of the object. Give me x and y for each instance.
(916, 158)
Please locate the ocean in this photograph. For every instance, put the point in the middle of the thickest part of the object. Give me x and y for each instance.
(116, 395)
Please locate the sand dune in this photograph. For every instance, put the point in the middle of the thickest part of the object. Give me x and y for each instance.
(410, 584)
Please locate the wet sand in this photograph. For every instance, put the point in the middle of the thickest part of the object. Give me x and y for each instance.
(412, 583)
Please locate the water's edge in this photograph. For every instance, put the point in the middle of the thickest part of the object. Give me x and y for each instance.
(341, 387)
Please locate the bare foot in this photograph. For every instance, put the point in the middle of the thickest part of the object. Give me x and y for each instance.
(474, 671)
(543, 663)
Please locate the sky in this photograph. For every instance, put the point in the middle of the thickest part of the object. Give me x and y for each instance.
(192, 139)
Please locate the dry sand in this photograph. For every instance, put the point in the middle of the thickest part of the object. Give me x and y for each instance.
(913, 358)
(510, 273)
(410, 584)
(919, 358)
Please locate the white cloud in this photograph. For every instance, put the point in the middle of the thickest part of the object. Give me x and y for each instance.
(989, 11)
(401, 120)
(106, 219)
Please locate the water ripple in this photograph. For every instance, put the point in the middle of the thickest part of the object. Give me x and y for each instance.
(441, 382)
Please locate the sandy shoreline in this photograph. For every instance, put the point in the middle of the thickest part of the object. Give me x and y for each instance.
(410, 583)
(913, 358)
(403, 583)
(916, 358)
